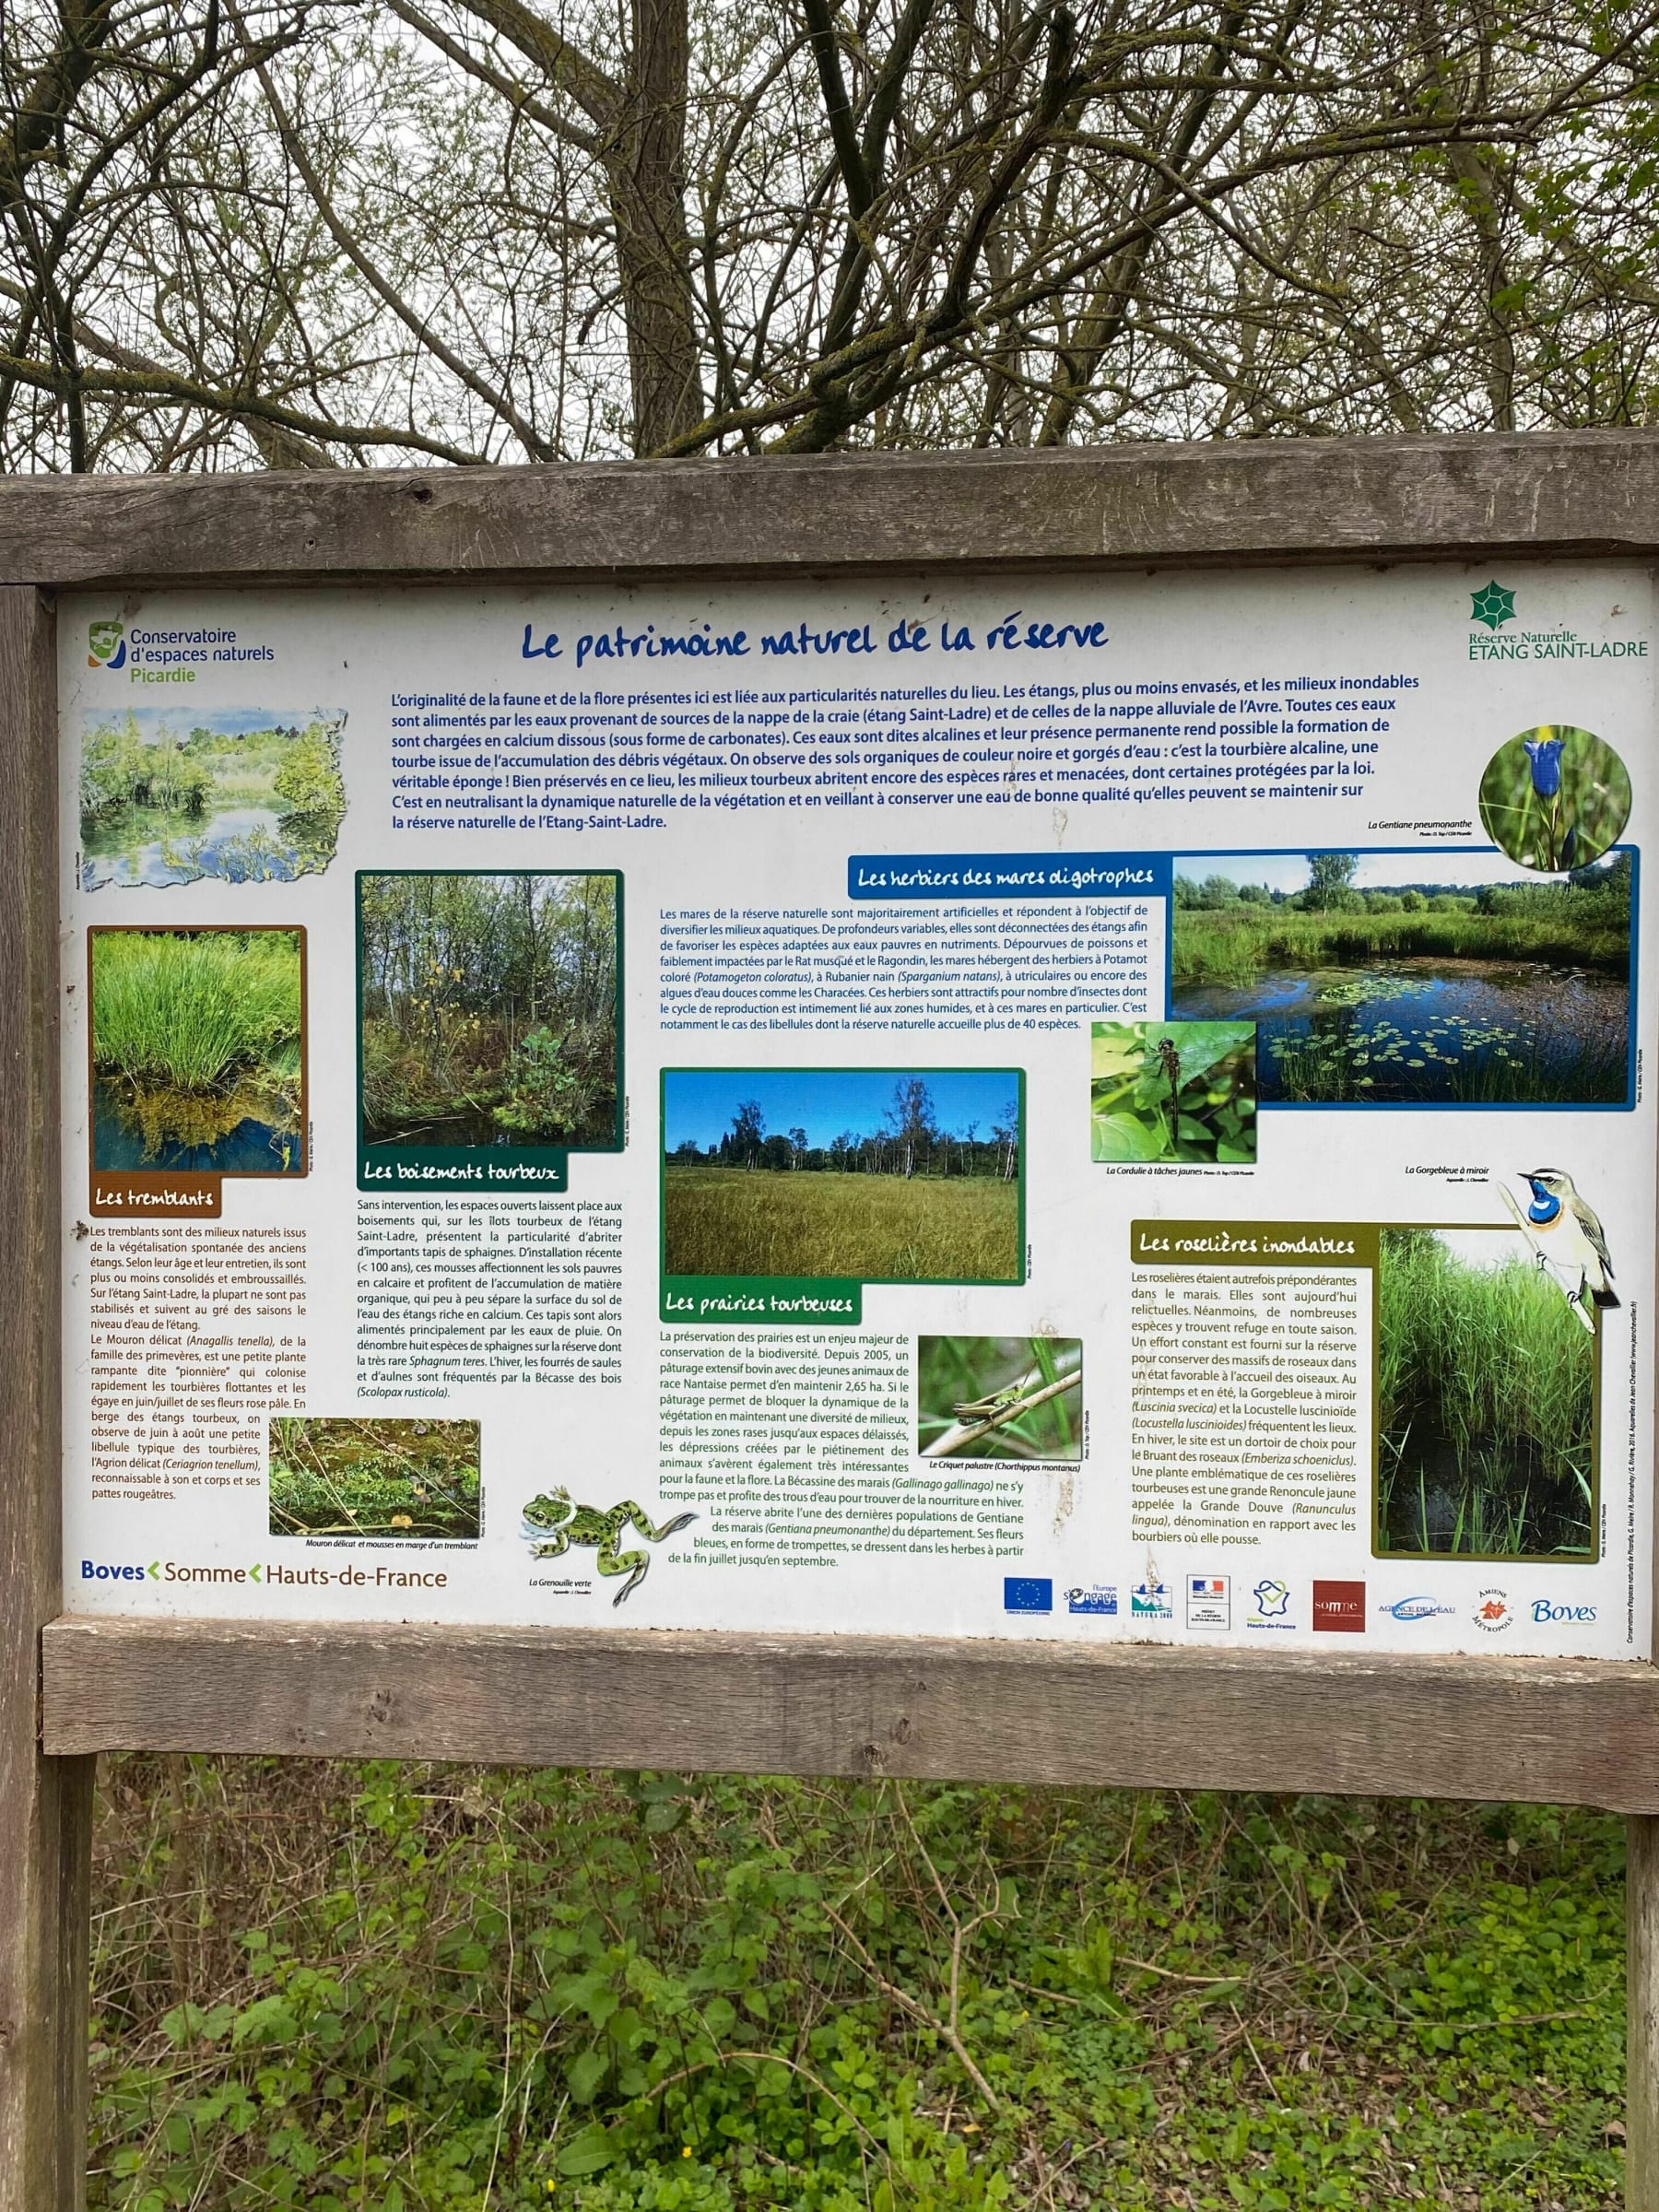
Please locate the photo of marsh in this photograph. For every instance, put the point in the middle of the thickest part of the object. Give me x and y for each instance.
(198, 1049)
(1486, 1401)
(1172, 1090)
(417, 1480)
(1555, 798)
(999, 1397)
(1424, 979)
(904, 1175)
(489, 1009)
(169, 794)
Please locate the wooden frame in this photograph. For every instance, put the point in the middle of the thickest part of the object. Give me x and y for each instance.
(1585, 1731)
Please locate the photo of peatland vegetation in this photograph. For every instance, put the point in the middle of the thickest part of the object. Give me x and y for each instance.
(1484, 1401)
(379, 1478)
(1477, 988)
(244, 795)
(999, 1397)
(488, 1007)
(874, 1174)
(198, 1049)
(1178, 1090)
(1555, 797)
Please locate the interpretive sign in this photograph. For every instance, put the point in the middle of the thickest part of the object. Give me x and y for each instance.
(1069, 1105)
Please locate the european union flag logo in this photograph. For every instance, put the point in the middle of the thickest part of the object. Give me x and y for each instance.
(1027, 1594)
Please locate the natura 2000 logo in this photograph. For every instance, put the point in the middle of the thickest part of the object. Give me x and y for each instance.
(106, 644)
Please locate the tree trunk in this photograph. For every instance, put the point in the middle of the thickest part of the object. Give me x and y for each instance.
(654, 252)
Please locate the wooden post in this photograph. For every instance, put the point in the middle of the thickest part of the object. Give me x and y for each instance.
(45, 1803)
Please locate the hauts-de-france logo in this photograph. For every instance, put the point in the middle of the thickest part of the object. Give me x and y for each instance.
(1492, 604)
(106, 644)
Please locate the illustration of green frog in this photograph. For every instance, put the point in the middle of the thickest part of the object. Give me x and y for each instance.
(552, 1523)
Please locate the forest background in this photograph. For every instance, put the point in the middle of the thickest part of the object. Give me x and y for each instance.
(340, 233)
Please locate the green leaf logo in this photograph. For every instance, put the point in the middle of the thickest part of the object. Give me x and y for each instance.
(1493, 605)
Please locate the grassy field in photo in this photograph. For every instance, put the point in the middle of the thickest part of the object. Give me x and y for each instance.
(197, 1049)
(1484, 1401)
(379, 1478)
(489, 1009)
(1030, 1387)
(166, 798)
(870, 1227)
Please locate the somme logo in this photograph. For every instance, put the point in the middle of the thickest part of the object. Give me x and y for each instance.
(1493, 1613)
(1493, 605)
(1339, 1606)
(1414, 1608)
(106, 644)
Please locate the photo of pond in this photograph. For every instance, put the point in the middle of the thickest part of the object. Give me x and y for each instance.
(167, 796)
(1478, 988)
(198, 1050)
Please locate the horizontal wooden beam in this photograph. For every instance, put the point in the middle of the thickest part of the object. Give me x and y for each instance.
(1132, 1716)
(1481, 498)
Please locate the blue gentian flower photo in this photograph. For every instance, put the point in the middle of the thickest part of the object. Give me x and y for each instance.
(1544, 753)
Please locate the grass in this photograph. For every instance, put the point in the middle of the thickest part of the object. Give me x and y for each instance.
(961, 1381)
(1233, 945)
(375, 1478)
(867, 1228)
(198, 1031)
(418, 1989)
(1485, 1406)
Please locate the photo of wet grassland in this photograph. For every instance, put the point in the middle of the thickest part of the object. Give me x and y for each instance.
(198, 1049)
(907, 1175)
(172, 794)
(1486, 1401)
(1421, 979)
(489, 1009)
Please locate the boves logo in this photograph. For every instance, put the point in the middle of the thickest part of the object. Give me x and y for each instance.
(1544, 1609)
(106, 644)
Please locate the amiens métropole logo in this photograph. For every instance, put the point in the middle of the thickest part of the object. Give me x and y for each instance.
(1492, 608)
(1493, 605)
(106, 644)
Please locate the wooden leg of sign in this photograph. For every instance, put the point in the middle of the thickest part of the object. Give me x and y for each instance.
(1641, 2061)
(45, 1803)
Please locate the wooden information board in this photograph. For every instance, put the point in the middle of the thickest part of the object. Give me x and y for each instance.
(1201, 887)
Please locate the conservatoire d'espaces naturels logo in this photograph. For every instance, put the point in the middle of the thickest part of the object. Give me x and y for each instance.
(106, 644)
(1493, 605)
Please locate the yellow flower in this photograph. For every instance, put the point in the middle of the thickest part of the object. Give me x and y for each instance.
(686, 2151)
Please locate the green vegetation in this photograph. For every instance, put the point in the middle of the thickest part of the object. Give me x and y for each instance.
(197, 1031)
(1173, 1090)
(489, 1009)
(1220, 937)
(1031, 1387)
(374, 1478)
(393, 1988)
(870, 1227)
(160, 804)
(1555, 797)
(1484, 1405)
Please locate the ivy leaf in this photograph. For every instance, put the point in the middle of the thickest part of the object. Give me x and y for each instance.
(1125, 1136)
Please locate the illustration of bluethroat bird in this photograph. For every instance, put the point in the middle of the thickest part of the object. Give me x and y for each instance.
(1568, 1239)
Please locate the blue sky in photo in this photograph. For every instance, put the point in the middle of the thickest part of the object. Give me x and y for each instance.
(1376, 872)
(700, 1103)
(155, 722)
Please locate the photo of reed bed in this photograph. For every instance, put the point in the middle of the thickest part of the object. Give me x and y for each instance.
(489, 1009)
(1178, 1090)
(416, 1479)
(198, 1049)
(1555, 797)
(869, 1174)
(999, 1397)
(1475, 992)
(1485, 1401)
(244, 795)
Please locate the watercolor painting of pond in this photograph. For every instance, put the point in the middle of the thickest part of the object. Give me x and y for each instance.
(198, 1059)
(244, 795)
(1471, 990)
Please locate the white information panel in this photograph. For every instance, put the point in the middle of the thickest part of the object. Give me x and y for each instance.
(1079, 1107)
